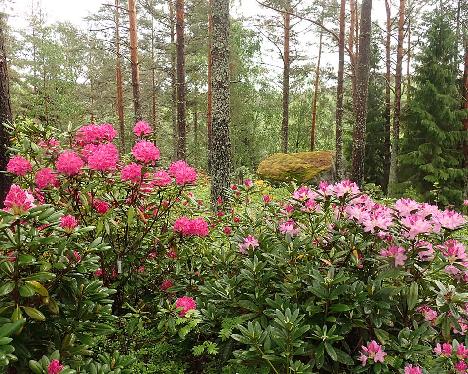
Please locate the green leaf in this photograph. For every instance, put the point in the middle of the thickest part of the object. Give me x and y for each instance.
(42, 276)
(412, 298)
(7, 329)
(34, 313)
(26, 290)
(331, 351)
(6, 288)
(38, 287)
(340, 308)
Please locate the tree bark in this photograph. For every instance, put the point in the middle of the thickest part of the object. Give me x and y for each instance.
(352, 54)
(134, 59)
(5, 114)
(465, 81)
(286, 71)
(397, 104)
(388, 94)
(408, 61)
(154, 102)
(362, 86)
(181, 117)
(118, 78)
(221, 143)
(173, 77)
(340, 94)
(316, 93)
(209, 98)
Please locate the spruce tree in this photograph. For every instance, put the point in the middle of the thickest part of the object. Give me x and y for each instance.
(431, 160)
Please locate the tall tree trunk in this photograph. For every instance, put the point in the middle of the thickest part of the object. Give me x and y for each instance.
(195, 127)
(5, 114)
(351, 45)
(408, 61)
(118, 78)
(316, 93)
(388, 99)
(340, 94)
(397, 104)
(362, 86)
(134, 58)
(286, 70)
(209, 98)
(173, 77)
(153, 80)
(181, 120)
(465, 81)
(221, 143)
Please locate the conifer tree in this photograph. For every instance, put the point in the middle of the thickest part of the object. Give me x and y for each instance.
(431, 158)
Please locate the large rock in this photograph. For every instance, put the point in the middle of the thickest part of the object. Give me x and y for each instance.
(303, 167)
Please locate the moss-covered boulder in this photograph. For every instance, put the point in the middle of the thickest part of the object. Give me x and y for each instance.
(303, 167)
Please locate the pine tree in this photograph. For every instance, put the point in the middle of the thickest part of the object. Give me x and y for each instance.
(431, 160)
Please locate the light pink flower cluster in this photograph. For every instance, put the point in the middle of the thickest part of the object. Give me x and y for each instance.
(18, 201)
(397, 253)
(18, 165)
(142, 128)
(249, 242)
(457, 353)
(69, 163)
(304, 193)
(146, 152)
(185, 303)
(54, 367)
(453, 251)
(429, 314)
(191, 227)
(104, 157)
(372, 351)
(373, 217)
(343, 188)
(289, 227)
(426, 251)
(132, 173)
(410, 369)
(95, 134)
(182, 172)
(46, 178)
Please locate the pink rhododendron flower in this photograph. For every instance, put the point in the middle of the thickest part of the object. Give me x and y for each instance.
(104, 157)
(142, 128)
(50, 145)
(304, 193)
(398, 253)
(95, 134)
(248, 183)
(266, 199)
(443, 350)
(167, 283)
(406, 207)
(450, 219)
(18, 201)
(191, 227)
(54, 367)
(18, 165)
(186, 303)
(461, 367)
(345, 187)
(428, 313)
(462, 352)
(146, 152)
(68, 223)
(465, 202)
(76, 256)
(98, 272)
(46, 178)
(182, 172)
(373, 351)
(101, 206)
(426, 251)
(289, 228)
(172, 254)
(410, 369)
(227, 230)
(416, 225)
(69, 163)
(249, 242)
(453, 251)
(132, 173)
(161, 178)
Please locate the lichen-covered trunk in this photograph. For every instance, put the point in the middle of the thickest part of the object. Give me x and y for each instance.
(173, 77)
(180, 67)
(388, 94)
(465, 122)
(313, 129)
(397, 104)
(134, 58)
(5, 116)
(118, 78)
(209, 95)
(286, 71)
(340, 94)
(221, 143)
(362, 87)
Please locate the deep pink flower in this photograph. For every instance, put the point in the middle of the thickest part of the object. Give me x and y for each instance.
(465, 202)
(248, 183)
(410, 369)
(182, 172)
(461, 367)
(398, 253)
(54, 367)
(186, 303)
(373, 351)
(98, 272)
(76, 256)
(304, 193)
(345, 187)
(18, 201)
(131, 172)
(142, 128)
(443, 350)
(172, 254)
(161, 178)
(18, 165)
(167, 283)
(146, 152)
(104, 157)
(191, 227)
(68, 223)
(50, 145)
(69, 163)
(453, 251)
(249, 242)
(462, 352)
(266, 199)
(46, 178)
(95, 134)
(428, 313)
(101, 206)
(227, 230)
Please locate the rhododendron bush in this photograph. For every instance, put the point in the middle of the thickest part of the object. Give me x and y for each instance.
(326, 279)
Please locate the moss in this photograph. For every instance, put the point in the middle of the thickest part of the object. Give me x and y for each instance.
(301, 167)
